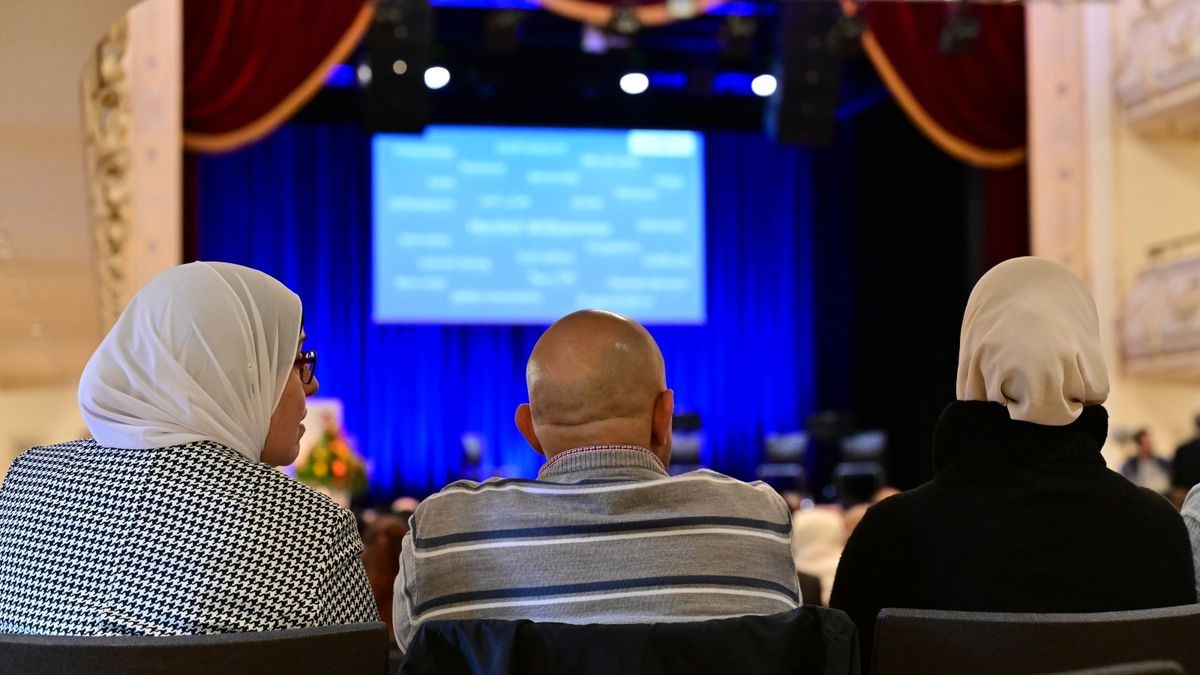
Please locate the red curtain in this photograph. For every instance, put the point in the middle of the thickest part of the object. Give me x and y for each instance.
(248, 65)
(972, 104)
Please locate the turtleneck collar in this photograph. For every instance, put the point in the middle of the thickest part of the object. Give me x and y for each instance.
(980, 433)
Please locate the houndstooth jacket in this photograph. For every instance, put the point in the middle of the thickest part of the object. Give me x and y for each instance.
(193, 538)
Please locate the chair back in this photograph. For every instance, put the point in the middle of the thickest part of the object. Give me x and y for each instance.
(326, 650)
(1139, 668)
(810, 639)
(930, 641)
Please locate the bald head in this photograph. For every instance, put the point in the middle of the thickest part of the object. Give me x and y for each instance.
(595, 377)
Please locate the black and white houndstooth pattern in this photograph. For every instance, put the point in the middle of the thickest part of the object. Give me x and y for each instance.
(192, 538)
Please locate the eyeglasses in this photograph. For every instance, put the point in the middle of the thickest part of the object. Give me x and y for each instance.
(307, 363)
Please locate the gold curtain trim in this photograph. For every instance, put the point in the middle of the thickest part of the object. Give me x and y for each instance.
(230, 140)
(951, 144)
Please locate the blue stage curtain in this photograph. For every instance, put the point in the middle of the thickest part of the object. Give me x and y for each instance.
(297, 206)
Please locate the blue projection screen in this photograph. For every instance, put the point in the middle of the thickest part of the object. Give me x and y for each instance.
(495, 225)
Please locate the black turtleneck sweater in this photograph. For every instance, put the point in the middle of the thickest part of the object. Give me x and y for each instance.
(1019, 517)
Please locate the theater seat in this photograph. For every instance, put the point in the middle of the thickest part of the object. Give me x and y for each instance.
(928, 641)
(353, 649)
(1139, 668)
(810, 639)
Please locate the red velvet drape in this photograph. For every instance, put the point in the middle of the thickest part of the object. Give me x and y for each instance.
(972, 105)
(248, 65)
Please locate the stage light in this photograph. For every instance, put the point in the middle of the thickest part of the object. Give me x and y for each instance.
(399, 66)
(364, 74)
(340, 75)
(634, 83)
(437, 77)
(763, 85)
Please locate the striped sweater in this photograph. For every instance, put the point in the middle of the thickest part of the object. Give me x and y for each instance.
(603, 535)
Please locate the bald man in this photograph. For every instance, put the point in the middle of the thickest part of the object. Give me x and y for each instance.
(603, 535)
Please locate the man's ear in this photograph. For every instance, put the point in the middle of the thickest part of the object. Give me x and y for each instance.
(524, 421)
(660, 425)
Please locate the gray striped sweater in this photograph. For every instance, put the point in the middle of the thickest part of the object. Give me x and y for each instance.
(603, 535)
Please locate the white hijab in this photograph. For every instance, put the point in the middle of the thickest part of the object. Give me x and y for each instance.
(1031, 340)
(202, 353)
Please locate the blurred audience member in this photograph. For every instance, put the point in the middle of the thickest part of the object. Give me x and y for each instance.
(604, 535)
(818, 536)
(1191, 518)
(1022, 514)
(884, 493)
(1186, 466)
(382, 542)
(853, 516)
(793, 499)
(405, 505)
(1146, 469)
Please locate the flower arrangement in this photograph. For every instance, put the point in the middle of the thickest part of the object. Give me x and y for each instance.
(332, 464)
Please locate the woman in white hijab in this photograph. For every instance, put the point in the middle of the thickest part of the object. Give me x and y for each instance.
(170, 519)
(1022, 514)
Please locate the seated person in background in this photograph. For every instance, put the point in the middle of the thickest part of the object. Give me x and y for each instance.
(1191, 518)
(1146, 469)
(1186, 466)
(383, 537)
(603, 535)
(818, 535)
(1022, 514)
(170, 519)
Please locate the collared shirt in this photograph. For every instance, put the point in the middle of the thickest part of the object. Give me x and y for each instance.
(591, 458)
(603, 536)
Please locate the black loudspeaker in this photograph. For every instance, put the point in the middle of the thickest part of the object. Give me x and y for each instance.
(807, 71)
(397, 49)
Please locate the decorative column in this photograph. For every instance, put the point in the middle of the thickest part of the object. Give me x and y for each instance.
(132, 104)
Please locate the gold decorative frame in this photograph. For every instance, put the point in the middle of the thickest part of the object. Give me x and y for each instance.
(107, 119)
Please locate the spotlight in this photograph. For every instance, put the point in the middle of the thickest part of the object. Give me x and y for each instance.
(437, 77)
(763, 85)
(634, 83)
(960, 32)
(364, 74)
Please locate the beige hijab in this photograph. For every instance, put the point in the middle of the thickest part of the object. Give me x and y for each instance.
(1031, 340)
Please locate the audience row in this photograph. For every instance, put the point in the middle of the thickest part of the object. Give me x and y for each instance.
(170, 519)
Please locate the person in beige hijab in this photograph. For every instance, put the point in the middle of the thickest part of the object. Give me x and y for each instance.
(1022, 514)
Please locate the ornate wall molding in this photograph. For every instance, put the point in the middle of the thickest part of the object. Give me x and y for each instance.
(1157, 77)
(107, 121)
(132, 93)
(1160, 320)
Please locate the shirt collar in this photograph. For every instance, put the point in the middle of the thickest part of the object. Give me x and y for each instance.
(610, 456)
